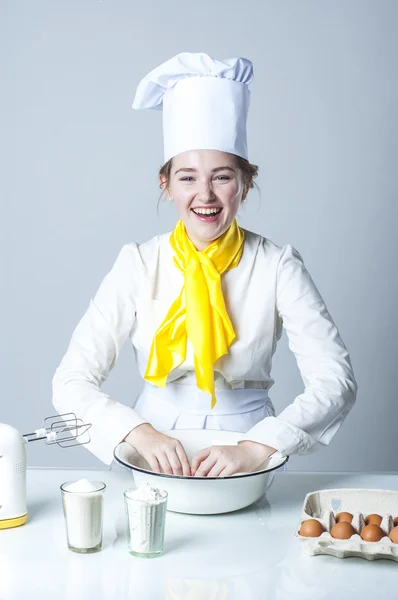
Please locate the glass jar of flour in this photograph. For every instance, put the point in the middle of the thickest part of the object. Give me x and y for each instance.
(145, 517)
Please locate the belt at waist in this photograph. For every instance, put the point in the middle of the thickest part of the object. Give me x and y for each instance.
(189, 378)
(190, 399)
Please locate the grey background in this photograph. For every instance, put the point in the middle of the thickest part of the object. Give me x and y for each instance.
(79, 180)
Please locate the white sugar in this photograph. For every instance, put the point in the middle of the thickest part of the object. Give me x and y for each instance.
(81, 486)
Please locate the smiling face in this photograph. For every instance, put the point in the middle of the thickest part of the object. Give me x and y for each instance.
(207, 189)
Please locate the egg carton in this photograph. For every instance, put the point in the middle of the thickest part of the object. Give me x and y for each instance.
(360, 503)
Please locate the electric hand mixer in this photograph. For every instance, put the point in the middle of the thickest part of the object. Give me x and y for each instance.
(62, 430)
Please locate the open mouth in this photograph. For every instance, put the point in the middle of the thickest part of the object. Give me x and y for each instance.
(207, 214)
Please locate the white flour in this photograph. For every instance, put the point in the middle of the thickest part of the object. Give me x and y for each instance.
(83, 502)
(147, 494)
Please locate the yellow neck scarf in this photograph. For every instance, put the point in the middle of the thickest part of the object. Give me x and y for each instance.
(199, 312)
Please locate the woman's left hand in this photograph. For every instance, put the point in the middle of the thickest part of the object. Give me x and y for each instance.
(222, 461)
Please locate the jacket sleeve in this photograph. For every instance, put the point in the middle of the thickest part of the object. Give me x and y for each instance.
(315, 416)
(92, 353)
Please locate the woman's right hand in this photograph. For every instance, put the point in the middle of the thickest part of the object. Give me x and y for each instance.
(163, 453)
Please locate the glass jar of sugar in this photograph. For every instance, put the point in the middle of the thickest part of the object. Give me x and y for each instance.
(146, 518)
(82, 503)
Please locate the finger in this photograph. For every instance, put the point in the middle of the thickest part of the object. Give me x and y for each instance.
(217, 469)
(206, 466)
(199, 457)
(228, 471)
(164, 464)
(174, 461)
(153, 463)
(186, 467)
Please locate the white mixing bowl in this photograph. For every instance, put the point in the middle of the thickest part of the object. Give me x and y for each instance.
(202, 495)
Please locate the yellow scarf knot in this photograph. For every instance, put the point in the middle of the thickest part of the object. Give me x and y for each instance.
(199, 312)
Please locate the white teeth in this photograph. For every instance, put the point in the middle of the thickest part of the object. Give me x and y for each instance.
(206, 211)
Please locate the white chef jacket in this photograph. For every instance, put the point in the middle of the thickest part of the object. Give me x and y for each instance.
(269, 290)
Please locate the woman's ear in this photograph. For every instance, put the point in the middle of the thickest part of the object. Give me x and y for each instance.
(245, 192)
(163, 186)
(162, 181)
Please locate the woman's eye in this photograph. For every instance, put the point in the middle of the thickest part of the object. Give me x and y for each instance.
(220, 177)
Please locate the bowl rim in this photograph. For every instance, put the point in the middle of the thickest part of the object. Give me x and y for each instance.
(192, 477)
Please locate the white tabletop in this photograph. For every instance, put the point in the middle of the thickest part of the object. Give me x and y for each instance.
(247, 555)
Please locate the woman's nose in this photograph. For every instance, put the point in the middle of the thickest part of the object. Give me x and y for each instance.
(206, 192)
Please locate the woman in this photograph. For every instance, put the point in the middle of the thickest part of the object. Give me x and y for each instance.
(204, 305)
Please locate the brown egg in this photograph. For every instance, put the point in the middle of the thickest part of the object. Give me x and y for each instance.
(311, 528)
(344, 516)
(373, 520)
(395, 522)
(342, 530)
(393, 535)
(372, 533)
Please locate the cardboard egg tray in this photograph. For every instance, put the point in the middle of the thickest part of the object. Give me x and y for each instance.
(360, 503)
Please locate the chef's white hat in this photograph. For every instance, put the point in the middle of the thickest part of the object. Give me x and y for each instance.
(205, 102)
